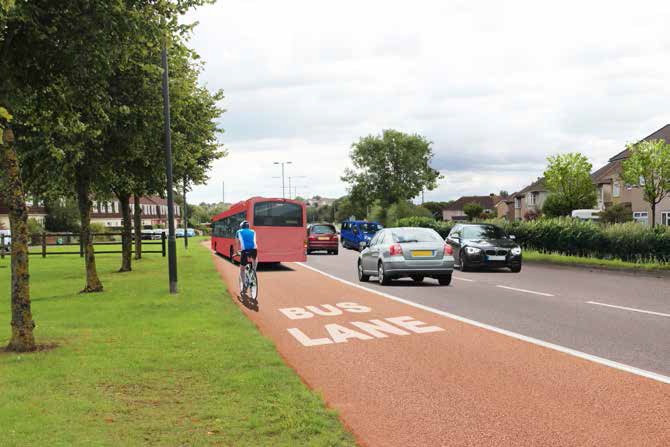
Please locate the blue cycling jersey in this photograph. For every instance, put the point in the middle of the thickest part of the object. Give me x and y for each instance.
(247, 238)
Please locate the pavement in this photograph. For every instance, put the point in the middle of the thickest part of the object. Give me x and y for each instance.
(403, 372)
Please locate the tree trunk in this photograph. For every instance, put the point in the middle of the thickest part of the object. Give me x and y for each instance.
(22, 339)
(127, 245)
(93, 283)
(137, 218)
(653, 214)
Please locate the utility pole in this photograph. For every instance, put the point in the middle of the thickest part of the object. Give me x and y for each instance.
(172, 242)
(289, 185)
(185, 217)
(283, 189)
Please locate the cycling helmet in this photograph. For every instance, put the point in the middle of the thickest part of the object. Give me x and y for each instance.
(244, 224)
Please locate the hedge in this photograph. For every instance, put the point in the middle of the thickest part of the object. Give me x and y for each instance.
(627, 241)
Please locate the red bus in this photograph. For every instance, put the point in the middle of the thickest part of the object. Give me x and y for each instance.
(279, 225)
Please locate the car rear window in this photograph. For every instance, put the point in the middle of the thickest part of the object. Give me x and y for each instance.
(277, 214)
(322, 229)
(401, 235)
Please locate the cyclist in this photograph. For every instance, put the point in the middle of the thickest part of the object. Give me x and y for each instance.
(246, 240)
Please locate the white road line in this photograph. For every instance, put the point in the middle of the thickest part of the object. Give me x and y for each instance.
(535, 341)
(629, 308)
(526, 291)
(463, 279)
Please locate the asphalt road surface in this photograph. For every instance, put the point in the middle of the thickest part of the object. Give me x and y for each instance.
(554, 304)
(403, 374)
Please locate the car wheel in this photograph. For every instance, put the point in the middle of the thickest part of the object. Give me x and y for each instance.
(335, 252)
(515, 269)
(362, 277)
(382, 277)
(417, 278)
(444, 280)
(464, 265)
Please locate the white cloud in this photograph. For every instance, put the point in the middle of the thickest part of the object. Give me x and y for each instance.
(497, 86)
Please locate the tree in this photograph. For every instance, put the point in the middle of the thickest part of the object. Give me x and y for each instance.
(556, 206)
(569, 177)
(649, 167)
(503, 193)
(436, 208)
(62, 215)
(390, 167)
(473, 210)
(345, 207)
(618, 213)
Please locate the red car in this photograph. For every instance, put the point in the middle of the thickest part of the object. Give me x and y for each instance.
(322, 237)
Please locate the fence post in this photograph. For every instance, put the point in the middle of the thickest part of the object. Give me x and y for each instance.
(81, 246)
(2, 246)
(44, 245)
(163, 242)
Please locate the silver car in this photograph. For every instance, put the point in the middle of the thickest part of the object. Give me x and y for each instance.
(406, 252)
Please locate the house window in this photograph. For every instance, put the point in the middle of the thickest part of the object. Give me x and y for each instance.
(641, 217)
(530, 197)
(665, 218)
(517, 203)
(616, 189)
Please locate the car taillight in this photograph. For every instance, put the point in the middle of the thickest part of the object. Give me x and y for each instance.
(334, 237)
(448, 250)
(312, 238)
(305, 243)
(395, 250)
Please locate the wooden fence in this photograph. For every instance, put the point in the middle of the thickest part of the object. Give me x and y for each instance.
(45, 240)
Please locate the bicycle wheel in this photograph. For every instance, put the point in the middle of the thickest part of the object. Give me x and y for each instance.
(253, 285)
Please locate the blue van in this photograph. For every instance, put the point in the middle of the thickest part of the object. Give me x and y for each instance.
(353, 232)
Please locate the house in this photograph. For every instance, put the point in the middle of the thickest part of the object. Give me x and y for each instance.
(36, 211)
(107, 213)
(454, 211)
(529, 199)
(612, 190)
(318, 201)
(154, 212)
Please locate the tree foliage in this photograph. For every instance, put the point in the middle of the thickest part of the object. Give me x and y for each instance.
(555, 205)
(618, 213)
(390, 167)
(649, 167)
(473, 210)
(436, 208)
(568, 176)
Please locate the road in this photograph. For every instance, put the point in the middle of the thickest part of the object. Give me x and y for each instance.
(554, 304)
(403, 374)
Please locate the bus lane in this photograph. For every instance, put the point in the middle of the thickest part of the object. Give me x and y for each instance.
(400, 375)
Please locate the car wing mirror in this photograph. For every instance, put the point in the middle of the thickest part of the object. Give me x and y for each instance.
(364, 244)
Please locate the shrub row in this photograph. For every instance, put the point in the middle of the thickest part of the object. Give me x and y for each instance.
(627, 241)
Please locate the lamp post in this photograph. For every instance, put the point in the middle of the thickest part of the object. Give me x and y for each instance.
(282, 163)
(172, 242)
(185, 216)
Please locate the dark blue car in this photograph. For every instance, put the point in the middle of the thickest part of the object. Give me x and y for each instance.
(353, 232)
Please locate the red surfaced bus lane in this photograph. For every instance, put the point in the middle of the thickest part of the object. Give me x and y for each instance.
(403, 376)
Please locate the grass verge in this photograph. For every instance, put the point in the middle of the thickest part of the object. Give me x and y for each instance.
(529, 255)
(137, 366)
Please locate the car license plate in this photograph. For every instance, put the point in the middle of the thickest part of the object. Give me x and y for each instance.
(324, 238)
(421, 253)
(495, 258)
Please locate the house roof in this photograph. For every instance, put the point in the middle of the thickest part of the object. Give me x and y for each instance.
(537, 186)
(486, 202)
(661, 134)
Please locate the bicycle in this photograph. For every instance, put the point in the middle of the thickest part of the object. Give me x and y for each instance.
(249, 280)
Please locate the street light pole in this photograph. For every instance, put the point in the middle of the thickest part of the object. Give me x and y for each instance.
(172, 243)
(283, 189)
(185, 217)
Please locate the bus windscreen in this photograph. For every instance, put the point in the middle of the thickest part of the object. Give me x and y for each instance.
(277, 214)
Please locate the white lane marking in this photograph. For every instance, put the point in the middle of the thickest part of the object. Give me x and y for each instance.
(463, 279)
(525, 291)
(535, 341)
(629, 308)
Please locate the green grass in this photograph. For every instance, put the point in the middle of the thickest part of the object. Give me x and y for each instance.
(135, 366)
(529, 255)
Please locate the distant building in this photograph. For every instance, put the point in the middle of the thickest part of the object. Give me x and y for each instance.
(454, 211)
(107, 213)
(318, 201)
(529, 199)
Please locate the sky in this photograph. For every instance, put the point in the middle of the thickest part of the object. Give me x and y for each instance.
(497, 86)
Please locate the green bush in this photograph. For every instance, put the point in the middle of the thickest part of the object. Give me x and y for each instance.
(442, 227)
